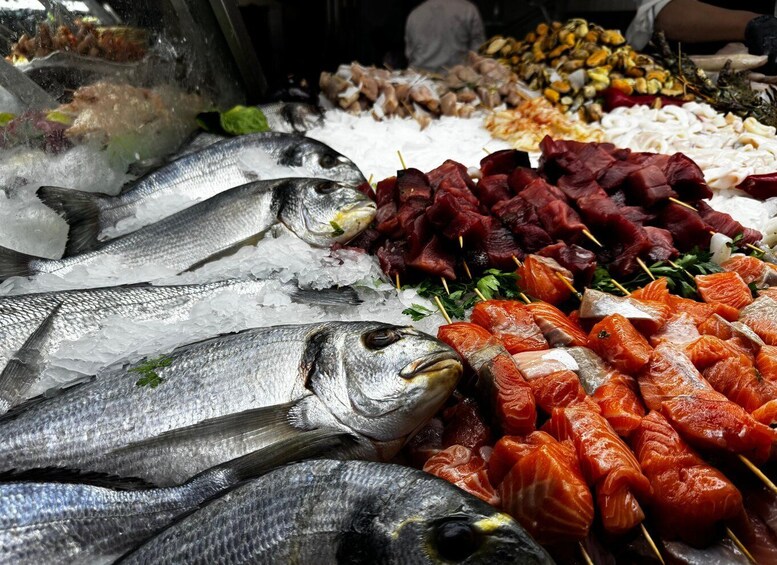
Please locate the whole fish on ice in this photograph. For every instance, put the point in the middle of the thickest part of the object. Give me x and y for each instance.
(321, 212)
(171, 417)
(55, 516)
(84, 312)
(344, 512)
(194, 177)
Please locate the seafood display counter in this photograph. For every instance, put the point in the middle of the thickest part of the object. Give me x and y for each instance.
(516, 313)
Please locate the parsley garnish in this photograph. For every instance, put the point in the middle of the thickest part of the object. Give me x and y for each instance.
(149, 377)
(417, 312)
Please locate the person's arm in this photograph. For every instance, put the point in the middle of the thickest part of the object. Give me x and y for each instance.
(691, 21)
(477, 33)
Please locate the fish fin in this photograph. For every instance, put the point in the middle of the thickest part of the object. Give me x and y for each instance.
(74, 476)
(231, 250)
(304, 445)
(253, 423)
(81, 210)
(14, 263)
(24, 367)
(332, 296)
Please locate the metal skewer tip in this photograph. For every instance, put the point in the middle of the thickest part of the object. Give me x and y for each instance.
(569, 285)
(466, 269)
(645, 268)
(401, 160)
(681, 203)
(651, 543)
(586, 557)
(758, 473)
(445, 286)
(590, 236)
(442, 309)
(480, 295)
(741, 546)
(620, 287)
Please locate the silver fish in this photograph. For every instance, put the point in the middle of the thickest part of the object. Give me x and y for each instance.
(171, 417)
(321, 212)
(195, 176)
(83, 312)
(291, 117)
(344, 512)
(51, 516)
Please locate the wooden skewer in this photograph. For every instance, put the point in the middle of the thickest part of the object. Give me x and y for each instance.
(397, 277)
(754, 248)
(620, 287)
(681, 203)
(480, 295)
(586, 557)
(369, 180)
(486, 150)
(524, 298)
(466, 268)
(517, 261)
(651, 543)
(461, 241)
(569, 285)
(442, 309)
(741, 546)
(645, 268)
(590, 236)
(758, 473)
(401, 160)
(445, 285)
(676, 266)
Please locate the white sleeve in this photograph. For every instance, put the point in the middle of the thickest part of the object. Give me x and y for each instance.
(641, 27)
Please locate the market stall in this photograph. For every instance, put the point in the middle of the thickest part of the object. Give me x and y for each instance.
(546, 276)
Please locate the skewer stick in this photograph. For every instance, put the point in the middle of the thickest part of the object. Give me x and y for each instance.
(590, 236)
(445, 285)
(480, 295)
(461, 241)
(397, 277)
(681, 203)
(754, 247)
(569, 285)
(651, 543)
(486, 150)
(741, 546)
(758, 473)
(676, 266)
(517, 261)
(466, 268)
(401, 160)
(645, 268)
(586, 557)
(524, 298)
(369, 180)
(620, 287)
(442, 309)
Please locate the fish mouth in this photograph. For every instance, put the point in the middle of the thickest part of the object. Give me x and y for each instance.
(352, 220)
(440, 364)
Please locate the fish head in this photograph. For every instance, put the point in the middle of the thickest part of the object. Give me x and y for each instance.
(323, 212)
(322, 161)
(383, 382)
(432, 521)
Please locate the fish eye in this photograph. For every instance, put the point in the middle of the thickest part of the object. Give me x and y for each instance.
(456, 540)
(327, 161)
(326, 187)
(378, 339)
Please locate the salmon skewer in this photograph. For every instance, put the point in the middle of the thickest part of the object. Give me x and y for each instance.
(511, 322)
(690, 497)
(465, 469)
(557, 328)
(539, 278)
(618, 342)
(541, 485)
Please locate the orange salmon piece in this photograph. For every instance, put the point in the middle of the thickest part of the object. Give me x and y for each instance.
(717, 326)
(698, 311)
(771, 292)
(766, 362)
(510, 321)
(474, 344)
(648, 316)
(680, 329)
(749, 268)
(690, 498)
(558, 329)
(737, 379)
(761, 317)
(511, 397)
(708, 350)
(559, 390)
(617, 341)
(543, 488)
(539, 279)
(726, 288)
(607, 464)
(460, 466)
(618, 399)
(657, 290)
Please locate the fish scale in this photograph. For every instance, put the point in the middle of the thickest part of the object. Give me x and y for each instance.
(113, 425)
(332, 512)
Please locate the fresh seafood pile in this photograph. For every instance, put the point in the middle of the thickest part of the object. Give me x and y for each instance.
(572, 63)
(526, 125)
(482, 83)
(113, 44)
(587, 205)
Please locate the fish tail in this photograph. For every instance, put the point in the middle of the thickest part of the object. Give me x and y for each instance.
(333, 296)
(15, 264)
(81, 210)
